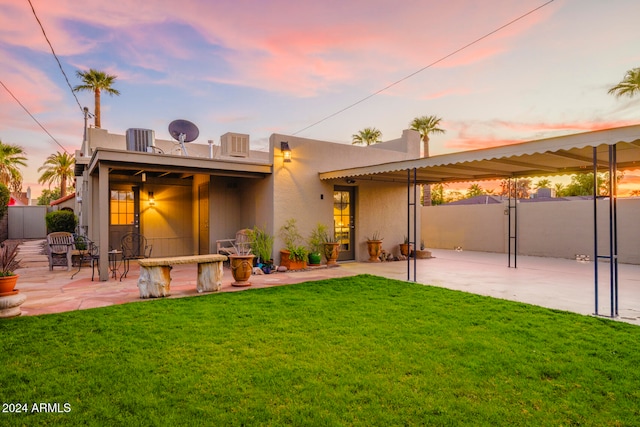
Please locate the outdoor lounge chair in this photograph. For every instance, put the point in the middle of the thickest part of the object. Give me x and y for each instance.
(133, 246)
(60, 245)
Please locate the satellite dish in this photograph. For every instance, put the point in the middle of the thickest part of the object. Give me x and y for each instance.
(183, 131)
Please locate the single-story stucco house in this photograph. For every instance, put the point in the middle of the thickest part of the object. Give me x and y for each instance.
(183, 203)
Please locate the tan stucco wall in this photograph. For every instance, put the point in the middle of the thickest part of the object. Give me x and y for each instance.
(299, 193)
(558, 229)
(168, 224)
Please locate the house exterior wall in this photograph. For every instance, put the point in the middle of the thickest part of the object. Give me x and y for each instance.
(299, 193)
(559, 229)
(168, 225)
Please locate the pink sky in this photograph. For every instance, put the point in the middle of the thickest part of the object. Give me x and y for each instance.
(260, 67)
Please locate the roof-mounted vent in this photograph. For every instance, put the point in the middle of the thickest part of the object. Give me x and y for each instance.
(235, 144)
(141, 140)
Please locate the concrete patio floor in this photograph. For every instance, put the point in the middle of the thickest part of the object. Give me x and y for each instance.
(548, 282)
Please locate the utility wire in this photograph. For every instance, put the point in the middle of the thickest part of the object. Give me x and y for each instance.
(425, 67)
(31, 115)
(55, 56)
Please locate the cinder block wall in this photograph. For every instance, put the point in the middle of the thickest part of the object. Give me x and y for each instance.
(559, 229)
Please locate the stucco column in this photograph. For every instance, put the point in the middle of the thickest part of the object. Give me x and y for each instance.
(103, 220)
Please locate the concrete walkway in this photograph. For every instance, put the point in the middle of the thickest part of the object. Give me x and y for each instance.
(548, 282)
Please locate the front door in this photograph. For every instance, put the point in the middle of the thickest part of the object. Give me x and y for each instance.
(203, 218)
(344, 221)
(124, 213)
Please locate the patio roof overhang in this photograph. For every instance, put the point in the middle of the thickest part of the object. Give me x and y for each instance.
(546, 157)
(167, 165)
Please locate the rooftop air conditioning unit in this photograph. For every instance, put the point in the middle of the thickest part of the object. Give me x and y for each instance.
(140, 140)
(235, 144)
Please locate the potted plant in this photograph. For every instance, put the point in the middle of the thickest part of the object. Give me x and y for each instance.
(294, 254)
(8, 263)
(241, 265)
(331, 249)
(316, 244)
(405, 248)
(262, 247)
(374, 246)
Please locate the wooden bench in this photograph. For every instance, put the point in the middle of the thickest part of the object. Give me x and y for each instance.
(155, 278)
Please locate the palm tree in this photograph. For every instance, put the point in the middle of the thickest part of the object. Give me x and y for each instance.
(57, 168)
(475, 190)
(426, 125)
(96, 82)
(629, 86)
(11, 157)
(543, 183)
(367, 136)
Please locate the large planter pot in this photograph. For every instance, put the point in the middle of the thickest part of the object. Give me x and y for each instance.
(7, 284)
(331, 251)
(375, 249)
(241, 269)
(405, 249)
(291, 264)
(10, 304)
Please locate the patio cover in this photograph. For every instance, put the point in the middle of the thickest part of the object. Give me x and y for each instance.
(545, 157)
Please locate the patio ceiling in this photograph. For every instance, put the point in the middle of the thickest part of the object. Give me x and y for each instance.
(546, 157)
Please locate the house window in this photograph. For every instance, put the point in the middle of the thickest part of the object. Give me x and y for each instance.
(122, 207)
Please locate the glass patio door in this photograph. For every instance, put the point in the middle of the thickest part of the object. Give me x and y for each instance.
(344, 221)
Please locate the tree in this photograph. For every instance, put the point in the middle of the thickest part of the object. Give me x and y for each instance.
(519, 188)
(367, 136)
(48, 196)
(629, 86)
(560, 189)
(474, 190)
(543, 183)
(11, 157)
(426, 125)
(437, 194)
(582, 184)
(96, 81)
(57, 169)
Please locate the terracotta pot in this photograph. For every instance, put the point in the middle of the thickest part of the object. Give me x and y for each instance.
(331, 251)
(405, 249)
(241, 269)
(8, 283)
(289, 263)
(375, 249)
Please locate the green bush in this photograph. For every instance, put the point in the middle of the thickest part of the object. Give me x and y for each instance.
(5, 196)
(61, 221)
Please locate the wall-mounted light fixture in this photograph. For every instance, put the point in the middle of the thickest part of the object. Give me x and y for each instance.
(152, 200)
(286, 151)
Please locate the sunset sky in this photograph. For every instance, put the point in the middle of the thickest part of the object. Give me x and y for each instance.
(259, 67)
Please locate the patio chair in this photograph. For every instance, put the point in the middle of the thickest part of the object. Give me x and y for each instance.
(59, 249)
(231, 246)
(133, 246)
(88, 254)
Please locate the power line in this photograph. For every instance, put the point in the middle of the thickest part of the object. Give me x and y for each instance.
(55, 56)
(31, 115)
(425, 67)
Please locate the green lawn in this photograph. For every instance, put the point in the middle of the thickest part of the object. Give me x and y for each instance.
(352, 351)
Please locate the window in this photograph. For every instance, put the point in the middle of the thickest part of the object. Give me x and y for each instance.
(122, 207)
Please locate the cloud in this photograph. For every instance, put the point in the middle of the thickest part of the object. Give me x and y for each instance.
(482, 134)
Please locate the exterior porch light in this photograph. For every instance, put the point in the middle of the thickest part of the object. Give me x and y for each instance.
(286, 151)
(152, 200)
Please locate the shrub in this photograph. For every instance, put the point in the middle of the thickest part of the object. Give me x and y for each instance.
(61, 221)
(5, 196)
